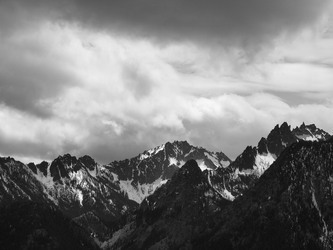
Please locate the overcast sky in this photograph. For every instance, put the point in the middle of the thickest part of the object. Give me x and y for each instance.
(113, 78)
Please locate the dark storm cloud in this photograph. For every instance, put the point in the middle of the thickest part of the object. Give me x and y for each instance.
(232, 22)
(243, 22)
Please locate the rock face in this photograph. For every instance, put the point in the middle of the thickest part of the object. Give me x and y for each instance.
(290, 207)
(97, 196)
(310, 133)
(17, 182)
(254, 161)
(138, 177)
(70, 184)
(174, 215)
(259, 158)
(267, 150)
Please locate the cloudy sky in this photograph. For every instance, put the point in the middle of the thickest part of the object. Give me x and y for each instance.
(113, 78)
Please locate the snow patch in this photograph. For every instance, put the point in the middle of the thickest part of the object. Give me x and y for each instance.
(222, 191)
(225, 163)
(6, 188)
(79, 195)
(51, 198)
(307, 138)
(227, 195)
(209, 193)
(143, 156)
(158, 149)
(172, 161)
(202, 165)
(47, 181)
(138, 192)
(263, 162)
(151, 152)
(310, 136)
(213, 159)
(325, 229)
(192, 150)
(115, 177)
(78, 176)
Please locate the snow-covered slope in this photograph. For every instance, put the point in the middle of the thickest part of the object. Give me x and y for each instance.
(139, 177)
(87, 191)
(71, 184)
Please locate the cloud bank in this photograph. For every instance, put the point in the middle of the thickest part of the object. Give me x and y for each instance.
(115, 78)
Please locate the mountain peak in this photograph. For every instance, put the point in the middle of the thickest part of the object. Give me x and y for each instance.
(279, 138)
(88, 162)
(190, 169)
(62, 165)
(189, 176)
(262, 146)
(310, 132)
(247, 158)
(285, 125)
(254, 161)
(66, 157)
(155, 166)
(178, 144)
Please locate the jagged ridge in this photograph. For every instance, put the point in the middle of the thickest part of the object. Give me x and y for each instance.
(244, 172)
(290, 207)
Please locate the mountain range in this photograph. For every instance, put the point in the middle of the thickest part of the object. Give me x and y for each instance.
(289, 207)
(170, 196)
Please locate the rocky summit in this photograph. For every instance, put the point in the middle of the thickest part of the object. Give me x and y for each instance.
(245, 170)
(138, 177)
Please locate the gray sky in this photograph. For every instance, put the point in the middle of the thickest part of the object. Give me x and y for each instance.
(113, 78)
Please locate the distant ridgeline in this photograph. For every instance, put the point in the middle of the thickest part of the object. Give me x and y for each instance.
(178, 196)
